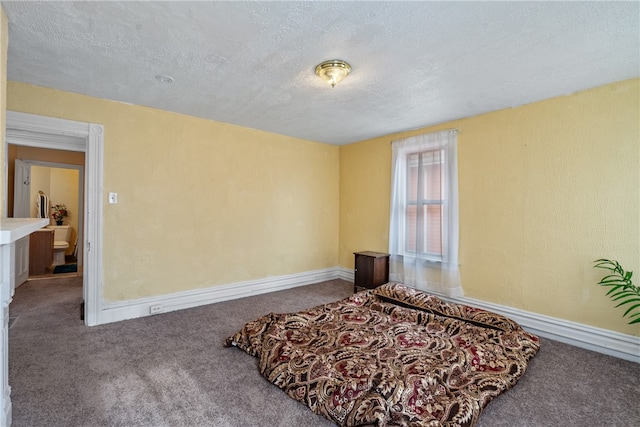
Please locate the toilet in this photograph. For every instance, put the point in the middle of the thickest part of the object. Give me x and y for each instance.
(61, 237)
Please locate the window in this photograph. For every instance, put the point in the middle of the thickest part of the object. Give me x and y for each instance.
(425, 199)
(423, 231)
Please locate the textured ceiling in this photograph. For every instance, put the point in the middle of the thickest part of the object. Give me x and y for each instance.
(252, 63)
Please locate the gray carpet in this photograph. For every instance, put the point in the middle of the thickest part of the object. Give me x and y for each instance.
(171, 369)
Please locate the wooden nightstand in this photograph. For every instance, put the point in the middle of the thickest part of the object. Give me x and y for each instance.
(371, 270)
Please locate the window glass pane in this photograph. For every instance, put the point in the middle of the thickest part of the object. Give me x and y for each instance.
(412, 177)
(433, 230)
(411, 229)
(432, 169)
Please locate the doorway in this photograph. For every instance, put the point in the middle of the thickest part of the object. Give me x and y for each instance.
(32, 130)
(59, 183)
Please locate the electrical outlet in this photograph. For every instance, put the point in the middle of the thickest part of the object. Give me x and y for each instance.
(154, 309)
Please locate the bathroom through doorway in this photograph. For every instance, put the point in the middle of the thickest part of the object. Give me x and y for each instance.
(57, 184)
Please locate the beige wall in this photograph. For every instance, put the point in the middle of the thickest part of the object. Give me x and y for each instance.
(545, 189)
(201, 203)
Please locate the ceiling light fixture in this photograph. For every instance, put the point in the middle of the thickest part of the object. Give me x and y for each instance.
(333, 71)
(164, 79)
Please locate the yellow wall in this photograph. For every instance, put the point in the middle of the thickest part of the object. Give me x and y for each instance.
(545, 189)
(201, 203)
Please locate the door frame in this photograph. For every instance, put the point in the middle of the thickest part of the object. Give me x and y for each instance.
(49, 132)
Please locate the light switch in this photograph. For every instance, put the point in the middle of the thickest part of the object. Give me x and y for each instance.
(113, 198)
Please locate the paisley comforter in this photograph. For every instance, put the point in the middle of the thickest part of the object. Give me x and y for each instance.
(391, 356)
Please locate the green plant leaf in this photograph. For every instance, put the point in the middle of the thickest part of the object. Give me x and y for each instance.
(613, 289)
(606, 264)
(620, 295)
(621, 284)
(631, 308)
(612, 279)
(628, 302)
(621, 288)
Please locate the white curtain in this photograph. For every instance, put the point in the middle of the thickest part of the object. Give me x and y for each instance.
(436, 274)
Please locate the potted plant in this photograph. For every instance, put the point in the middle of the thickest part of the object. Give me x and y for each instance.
(621, 287)
(59, 212)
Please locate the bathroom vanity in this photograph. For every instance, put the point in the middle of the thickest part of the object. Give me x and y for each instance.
(40, 251)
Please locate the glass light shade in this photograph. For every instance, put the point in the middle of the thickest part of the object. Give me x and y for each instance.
(333, 71)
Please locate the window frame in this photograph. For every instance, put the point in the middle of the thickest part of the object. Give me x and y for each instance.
(422, 226)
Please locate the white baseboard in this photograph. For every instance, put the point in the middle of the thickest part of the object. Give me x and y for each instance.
(591, 338)
(577, 334)
(345, 274)
(114, 312)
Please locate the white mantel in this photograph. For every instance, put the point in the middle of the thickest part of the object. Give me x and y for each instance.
(11, 229)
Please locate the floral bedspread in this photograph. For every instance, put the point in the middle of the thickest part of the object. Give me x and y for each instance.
(391, 356)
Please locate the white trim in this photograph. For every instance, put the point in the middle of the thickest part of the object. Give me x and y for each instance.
(580, 335)
(61, 134)
(40, 140)
(577, 334)
(116, 311)
(346, 274)
(588, 337)
(40, 131)
(94, 190)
